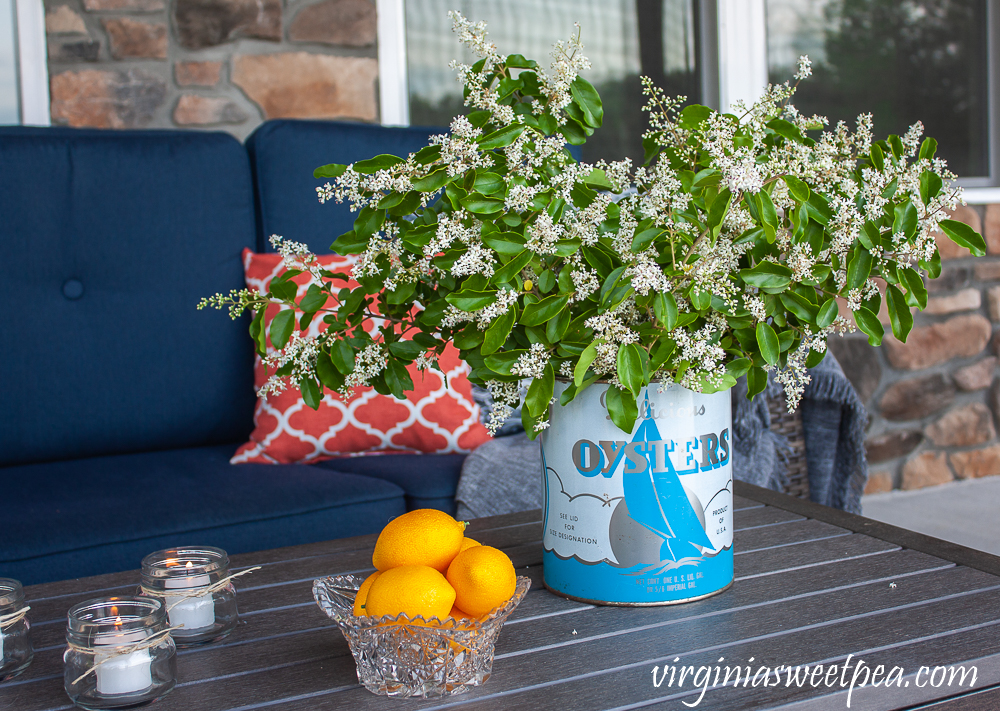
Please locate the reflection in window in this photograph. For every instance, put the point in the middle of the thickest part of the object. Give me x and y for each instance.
(903, 61)
(9, 110)
(622, 38)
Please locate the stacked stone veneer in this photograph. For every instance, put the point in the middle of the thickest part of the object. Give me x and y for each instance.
(221, 64)
(934, 402)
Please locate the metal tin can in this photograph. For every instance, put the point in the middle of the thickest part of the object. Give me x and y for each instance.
(640, 519)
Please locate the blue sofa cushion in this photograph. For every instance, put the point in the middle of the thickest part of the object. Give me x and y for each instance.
(106, 513)
(109, 239)
(429, 480)
(284, 153)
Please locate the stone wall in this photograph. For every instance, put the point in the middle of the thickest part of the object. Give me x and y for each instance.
(219, 64)
(934, 402)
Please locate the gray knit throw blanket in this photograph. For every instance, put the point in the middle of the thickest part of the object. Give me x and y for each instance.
(504, 474)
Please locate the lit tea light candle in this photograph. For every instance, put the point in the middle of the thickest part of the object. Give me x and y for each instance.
(194, 613)
(122, 673)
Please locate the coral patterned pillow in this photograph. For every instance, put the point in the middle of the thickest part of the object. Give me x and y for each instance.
(437, 417)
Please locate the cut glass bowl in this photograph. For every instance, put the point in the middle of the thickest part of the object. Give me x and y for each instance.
(399, 658)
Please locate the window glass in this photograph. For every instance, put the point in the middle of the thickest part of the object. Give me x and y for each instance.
(9, 110)
(902, 61)
(622, 39)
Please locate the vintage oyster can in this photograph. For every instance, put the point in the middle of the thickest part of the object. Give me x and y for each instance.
(640, 519)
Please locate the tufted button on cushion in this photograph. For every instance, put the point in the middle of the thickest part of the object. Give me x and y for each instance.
(73, 289)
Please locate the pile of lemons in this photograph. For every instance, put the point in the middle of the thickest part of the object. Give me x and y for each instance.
(426, 567)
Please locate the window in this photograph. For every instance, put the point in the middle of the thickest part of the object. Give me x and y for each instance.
(10, 105)
(664, 45)
(902, 60)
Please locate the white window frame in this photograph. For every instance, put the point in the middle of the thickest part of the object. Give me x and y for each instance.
(734, 61)
(32, 63)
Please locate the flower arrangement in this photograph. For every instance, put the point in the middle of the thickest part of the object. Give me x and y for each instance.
(721, 256)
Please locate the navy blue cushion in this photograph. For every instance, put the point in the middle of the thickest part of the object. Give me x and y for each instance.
(109, 239)
(99, 515)
(429, 480)
(284, 154)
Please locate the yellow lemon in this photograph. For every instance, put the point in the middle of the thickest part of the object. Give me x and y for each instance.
(359, 599)
(483, 578)
(422, 537)
(417, 590)
(468, 543)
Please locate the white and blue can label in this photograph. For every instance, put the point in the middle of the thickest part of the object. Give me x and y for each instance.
(645, 518)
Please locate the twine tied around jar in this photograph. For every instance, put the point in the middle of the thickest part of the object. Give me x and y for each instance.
(200, 592)
(113, 652)
(8, 621)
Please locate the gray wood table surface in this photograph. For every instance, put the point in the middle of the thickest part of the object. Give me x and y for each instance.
(813, 585)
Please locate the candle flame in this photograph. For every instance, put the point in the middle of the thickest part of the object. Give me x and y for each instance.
(189, 565)
(118, 620)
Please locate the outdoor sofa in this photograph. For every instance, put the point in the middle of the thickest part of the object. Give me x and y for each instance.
(121, 403)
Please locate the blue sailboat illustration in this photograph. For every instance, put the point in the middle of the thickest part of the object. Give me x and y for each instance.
(658, 501)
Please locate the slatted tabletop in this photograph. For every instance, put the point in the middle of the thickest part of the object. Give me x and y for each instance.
(813, 585)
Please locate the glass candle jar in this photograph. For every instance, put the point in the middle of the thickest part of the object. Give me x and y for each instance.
(119, 653)
(193, 585)
(15, 647)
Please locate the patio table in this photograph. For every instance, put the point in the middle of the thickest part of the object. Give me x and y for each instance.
(813, 585)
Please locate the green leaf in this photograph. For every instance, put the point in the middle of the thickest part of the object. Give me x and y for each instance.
(767, 275)
(512, 268)
(905, 219)
(930, 185)
(961, 234)
(427, 154)
(827, 313)
(878, 158)
(368, 222)
(706, 177)
(432, 182)
(546, 280)
(586, 358)
(314, 299)
(787, 129)
(717, 212)
(505, 243)
(285, 290)
(767, 341)
(870, 325)
(896, 145)
(468, 338)
(915, 288)
(328, 374)
(373, 165)
(700, 299)
(398, 379)
(665, 308)
(800, 306)
(540, 392)
(471, 300)
(768, 213)
(819, 209)
(556, 328)
(407, 350)
(630, 369)
(501, 138)
(497, 333)
(738, 367)
(900, 317)
(756, 381)
(502, 362)
(349, 243)
(342, 356)
(481, 205)
(927, 149)
(859, 267)
(693, 115)
(589, 101)
(797, 188)
(258, 333)
(281, 328)
(489, 184)
(623, 409)
(333, 170)
(541, 311)
(310, 393)
(642, 239)
(518, 61)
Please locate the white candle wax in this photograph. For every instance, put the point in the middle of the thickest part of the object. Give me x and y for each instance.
(194, 613)
(125, 673)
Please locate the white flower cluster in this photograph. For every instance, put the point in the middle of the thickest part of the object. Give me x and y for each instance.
(302, 352)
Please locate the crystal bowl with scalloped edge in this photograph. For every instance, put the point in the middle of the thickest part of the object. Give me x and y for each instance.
(400, 657)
